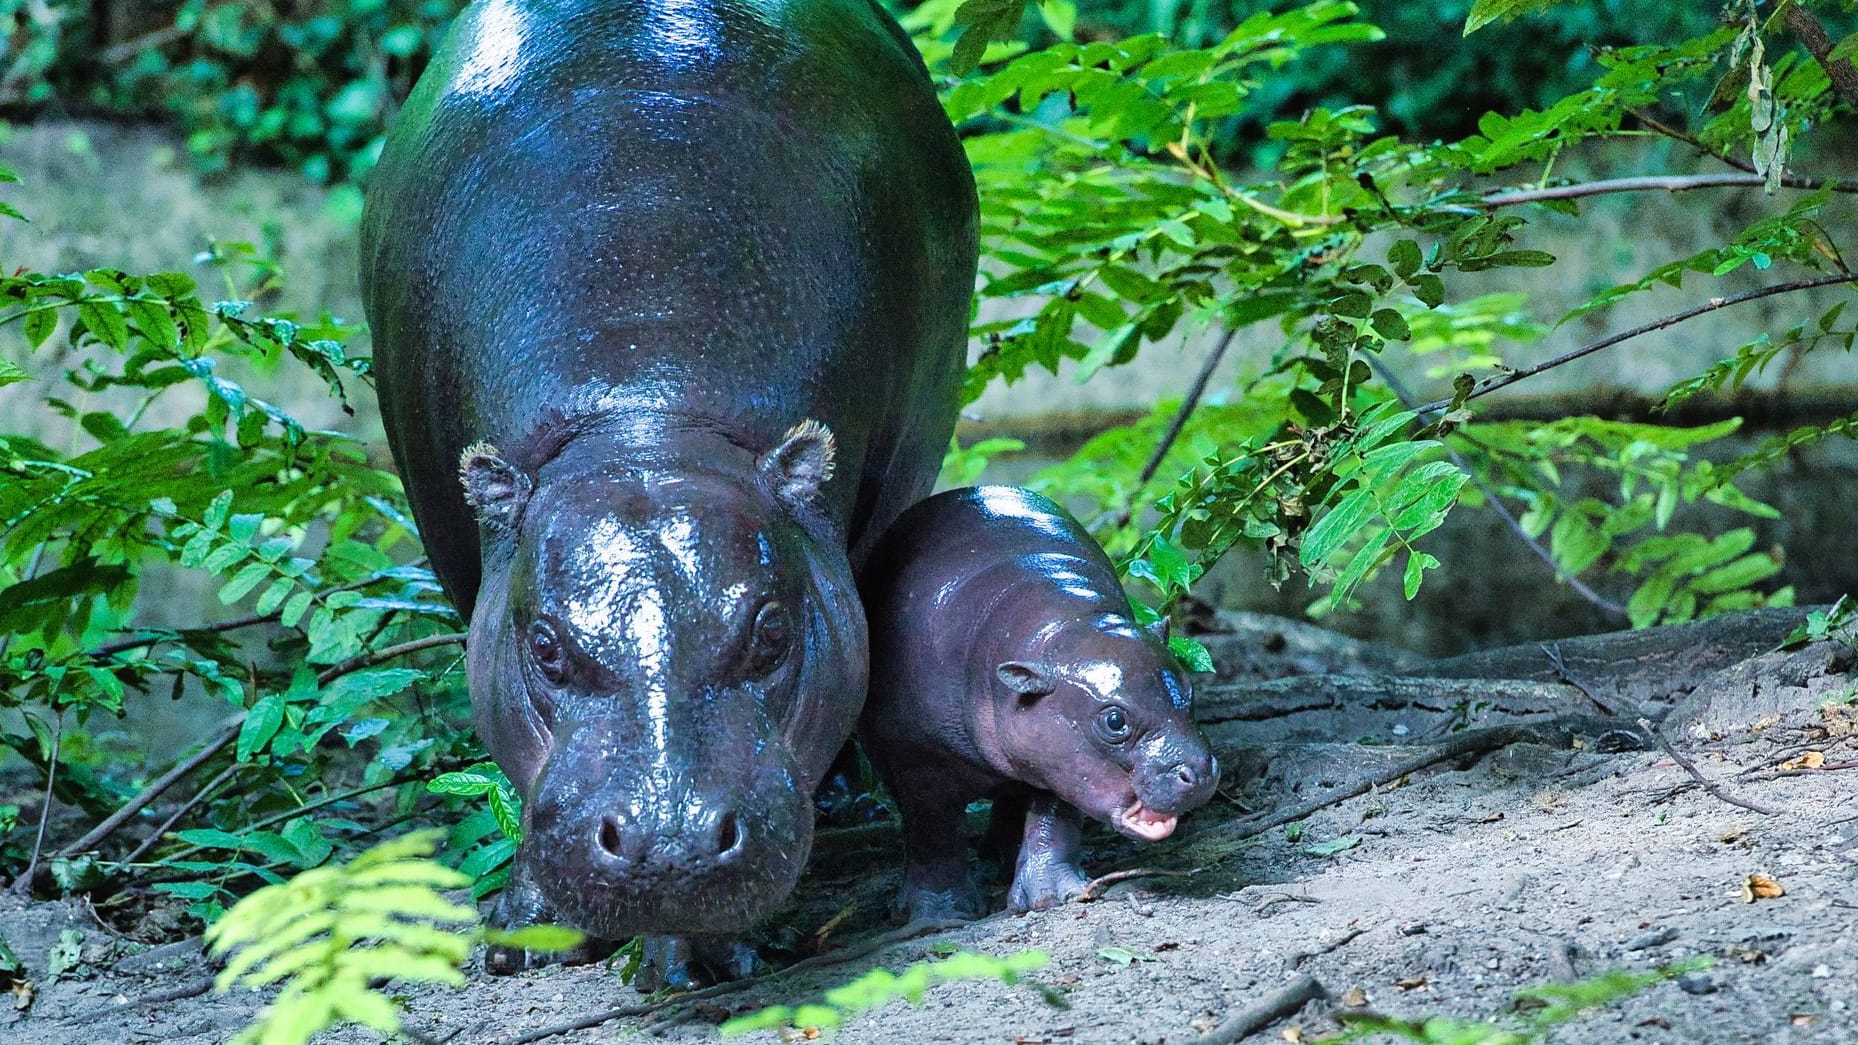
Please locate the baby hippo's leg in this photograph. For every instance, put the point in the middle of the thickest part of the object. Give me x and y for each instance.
(1048, 873)
(936, 885)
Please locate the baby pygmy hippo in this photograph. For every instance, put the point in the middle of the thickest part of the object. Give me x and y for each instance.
(1006, 662)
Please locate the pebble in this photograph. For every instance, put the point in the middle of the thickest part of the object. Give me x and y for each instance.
(1696, 983)
(1651, 938)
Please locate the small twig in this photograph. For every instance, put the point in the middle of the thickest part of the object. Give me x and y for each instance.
(1098, 885)
(1297, 959)
(1189, 403)
(305, 809)
(23, 884)
(1279, 1004)
(849, 954)
(128, 49)
(190, 989)
(381, 656)
(1552, 650)
(1489, 385)
(1695, 774)
(1777, 774)
(162, 635)
(199, 796)
(225, 736)
(1650, 183)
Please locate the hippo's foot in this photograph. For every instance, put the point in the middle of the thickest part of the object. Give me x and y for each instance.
(501, 960)
(925, 902)
(1047, 873)
(680, 963)
(522, 904)
(1044, 887)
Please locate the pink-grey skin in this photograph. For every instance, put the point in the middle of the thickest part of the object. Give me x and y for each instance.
(669, 302)
(1006, 662)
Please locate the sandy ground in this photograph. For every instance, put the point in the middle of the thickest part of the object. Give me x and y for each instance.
(1444, 896)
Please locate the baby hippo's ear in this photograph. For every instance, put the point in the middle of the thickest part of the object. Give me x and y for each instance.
(1159, 629)
(1030, 679)
(796, 469)
(496, 488)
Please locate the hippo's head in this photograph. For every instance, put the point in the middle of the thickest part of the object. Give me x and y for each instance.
(665, 661)
(1101, 716)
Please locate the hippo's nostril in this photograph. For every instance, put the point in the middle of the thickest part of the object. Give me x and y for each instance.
(607, 837)
(1187, 776)
(728, 836)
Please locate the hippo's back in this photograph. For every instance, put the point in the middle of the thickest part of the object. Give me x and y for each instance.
(951, 556)
(654, 214)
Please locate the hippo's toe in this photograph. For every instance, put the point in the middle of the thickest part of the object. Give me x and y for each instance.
(1041, 887)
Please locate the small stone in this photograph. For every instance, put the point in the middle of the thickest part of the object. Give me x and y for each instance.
(1651, 938)
(1822, 972)
(1696, 983)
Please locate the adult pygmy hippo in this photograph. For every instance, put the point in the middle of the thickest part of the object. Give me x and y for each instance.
(1005, 659)
(642, 275)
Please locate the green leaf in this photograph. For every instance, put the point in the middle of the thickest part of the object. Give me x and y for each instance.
(1333, 846)
(10, 374)
(260, 725)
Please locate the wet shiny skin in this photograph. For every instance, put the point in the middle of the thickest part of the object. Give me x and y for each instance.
(627, 246)
(1005, 662)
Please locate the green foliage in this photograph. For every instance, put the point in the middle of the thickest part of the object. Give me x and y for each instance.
(881, 987)
(1838, 623)
(330, 933)
(1109, 226)
(175, 477)
(1540, 1010)
(488, 838)
(310, 85)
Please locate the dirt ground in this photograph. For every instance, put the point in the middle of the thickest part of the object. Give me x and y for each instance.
(1442, 893)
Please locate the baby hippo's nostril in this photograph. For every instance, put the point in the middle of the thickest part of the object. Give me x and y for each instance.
(729, 837)
(1187, 776)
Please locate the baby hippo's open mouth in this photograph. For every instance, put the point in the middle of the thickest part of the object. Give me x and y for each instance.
(1138, 821)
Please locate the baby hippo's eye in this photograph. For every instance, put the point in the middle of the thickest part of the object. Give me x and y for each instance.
(1113, 724)
(546, 650)
(769, 638)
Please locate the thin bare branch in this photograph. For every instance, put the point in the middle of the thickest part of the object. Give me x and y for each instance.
(1489, 385)
(1696, 774)
(1654, 183)
(226, 735)
(381, 656)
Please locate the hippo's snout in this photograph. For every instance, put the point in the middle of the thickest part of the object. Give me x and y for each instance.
(622, 847)
(1177, 786)
(621, 850)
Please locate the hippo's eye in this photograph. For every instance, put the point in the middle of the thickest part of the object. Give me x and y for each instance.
(545, 649)
(769, 638)
(1113, 724)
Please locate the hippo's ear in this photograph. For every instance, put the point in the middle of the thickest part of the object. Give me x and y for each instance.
(496, 488)
(1028, 678)
(795, 470)
(1159, 629)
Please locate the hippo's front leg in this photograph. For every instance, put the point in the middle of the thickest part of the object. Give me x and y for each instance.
(1047, 873)
(682, 963)
(522, 904)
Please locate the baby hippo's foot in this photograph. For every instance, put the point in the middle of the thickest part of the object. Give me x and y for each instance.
(680, 963)
(1047, 872)
(1045, 885)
